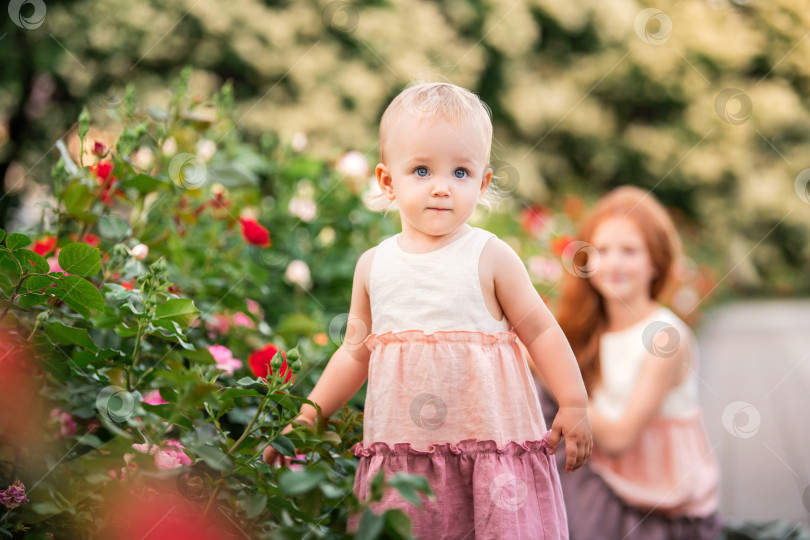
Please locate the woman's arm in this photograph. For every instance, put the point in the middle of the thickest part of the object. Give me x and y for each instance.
(549, 349)
(657, 376)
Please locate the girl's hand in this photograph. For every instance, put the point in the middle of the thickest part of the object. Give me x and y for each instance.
(271, 456)
(573, 424)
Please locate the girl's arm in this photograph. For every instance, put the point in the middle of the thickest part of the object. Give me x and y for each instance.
(657, 376)
(549, 349)
(347, 370)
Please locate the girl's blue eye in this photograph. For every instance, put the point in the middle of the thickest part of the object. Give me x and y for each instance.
(462, 171)
(421, 171)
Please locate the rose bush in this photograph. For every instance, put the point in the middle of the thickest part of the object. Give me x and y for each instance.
(126, 313)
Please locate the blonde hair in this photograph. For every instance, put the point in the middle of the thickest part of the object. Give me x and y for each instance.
(430, 101)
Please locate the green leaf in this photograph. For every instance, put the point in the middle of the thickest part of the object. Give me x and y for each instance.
(2, 234)
(36, 283)
(17, 240)
(84, 123)
(397, 522)
(113, 227)
(9, 270)
(408, 485)
(31, 261)
(77, 198)
(255, 505)
(371, 525)
(144, 183)
(232, 175)
(66, 335)
(79, 294)
(33, 299)
(213, 456)
(80, 259)
(284, 446)
(232, 393)
(180, 310)
(297, 482)
(11, 305)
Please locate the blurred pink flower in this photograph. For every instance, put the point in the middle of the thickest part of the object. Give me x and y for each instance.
(220, 325)
(252, 306)
(63, 423)
(53, 262)
(545, 269)
(153, 398)
(224, 358)
(172, 459)
(145, 448)
(240, 319)
(296, 466)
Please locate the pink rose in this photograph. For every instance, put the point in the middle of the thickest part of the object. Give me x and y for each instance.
(224, 358)
(240, 319)
(172, 459)
(153, 398)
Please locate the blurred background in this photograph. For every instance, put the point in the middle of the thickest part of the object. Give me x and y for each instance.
(706, 103)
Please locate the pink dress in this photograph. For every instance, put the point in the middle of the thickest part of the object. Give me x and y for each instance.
(450, 396)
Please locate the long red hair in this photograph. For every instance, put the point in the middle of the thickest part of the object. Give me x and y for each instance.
(581, 311)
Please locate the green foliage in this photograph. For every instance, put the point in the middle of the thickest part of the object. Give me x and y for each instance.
(124, 295)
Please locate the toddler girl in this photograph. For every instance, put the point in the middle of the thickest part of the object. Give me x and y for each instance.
(435, 317)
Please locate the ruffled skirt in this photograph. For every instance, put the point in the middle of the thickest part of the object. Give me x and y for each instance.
(481, 491)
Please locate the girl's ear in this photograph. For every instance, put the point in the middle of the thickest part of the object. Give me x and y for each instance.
(384, 180)
(487, 178)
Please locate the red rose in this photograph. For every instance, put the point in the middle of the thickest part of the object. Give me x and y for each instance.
(260, 363)
(91, 239)
(254, 232)
(559, 244)
(534, 219)
(43, 246)
(102, 169)
(99, 148)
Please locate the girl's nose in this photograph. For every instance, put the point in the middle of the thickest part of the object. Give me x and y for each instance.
(441, 186)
